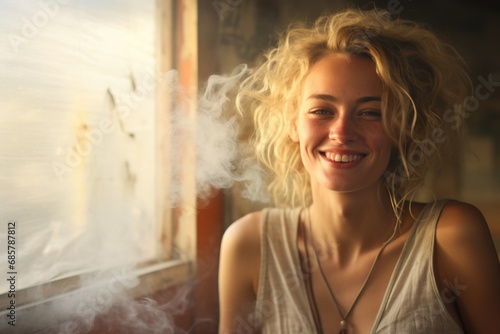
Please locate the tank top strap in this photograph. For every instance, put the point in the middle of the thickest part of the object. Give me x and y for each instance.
(282, 305)
(419, 246)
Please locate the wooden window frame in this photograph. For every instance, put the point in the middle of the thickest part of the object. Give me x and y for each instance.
(176, 227)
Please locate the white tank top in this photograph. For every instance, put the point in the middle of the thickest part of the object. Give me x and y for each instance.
(411, 304)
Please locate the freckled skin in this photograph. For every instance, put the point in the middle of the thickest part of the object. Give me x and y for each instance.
(340, 111)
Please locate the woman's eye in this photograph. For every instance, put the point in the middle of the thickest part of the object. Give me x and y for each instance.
(371, 113)
(321, 112)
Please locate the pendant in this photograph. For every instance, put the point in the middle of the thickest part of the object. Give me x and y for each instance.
(343, 327)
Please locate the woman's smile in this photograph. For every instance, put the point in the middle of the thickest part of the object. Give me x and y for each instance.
(342, 159)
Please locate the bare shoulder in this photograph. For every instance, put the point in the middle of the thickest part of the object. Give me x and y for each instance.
(462, 229)
(243, 236)
(240, 249)
(467, 267)
(460, 220)
(462, 215)
(239, 271)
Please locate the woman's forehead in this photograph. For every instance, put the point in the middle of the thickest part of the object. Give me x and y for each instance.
(340, 74)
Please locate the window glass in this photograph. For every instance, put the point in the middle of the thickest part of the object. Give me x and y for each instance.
(77, 135)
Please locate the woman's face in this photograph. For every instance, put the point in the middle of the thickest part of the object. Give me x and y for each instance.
(339, 127)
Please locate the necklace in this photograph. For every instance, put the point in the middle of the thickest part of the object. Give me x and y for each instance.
(343, 317)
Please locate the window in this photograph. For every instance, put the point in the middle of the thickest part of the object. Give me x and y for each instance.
(83, 128)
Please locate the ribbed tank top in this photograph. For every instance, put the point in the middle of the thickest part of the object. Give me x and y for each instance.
(412, 301)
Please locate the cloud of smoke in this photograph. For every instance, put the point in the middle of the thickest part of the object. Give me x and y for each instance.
(219, 163)
(76, 166)
(221, 158)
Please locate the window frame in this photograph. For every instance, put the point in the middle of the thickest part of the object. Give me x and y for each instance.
(176, 45)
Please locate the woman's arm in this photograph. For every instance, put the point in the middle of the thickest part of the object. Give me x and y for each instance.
(467, 267)
(238, 275)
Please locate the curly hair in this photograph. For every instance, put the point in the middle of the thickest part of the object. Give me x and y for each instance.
(422, 78)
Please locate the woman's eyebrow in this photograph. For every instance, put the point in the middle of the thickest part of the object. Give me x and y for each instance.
(331, 98)
(366, 99)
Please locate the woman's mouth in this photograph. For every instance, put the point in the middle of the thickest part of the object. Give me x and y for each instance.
(342, 157)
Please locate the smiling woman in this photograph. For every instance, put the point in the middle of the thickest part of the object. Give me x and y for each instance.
(339, 110)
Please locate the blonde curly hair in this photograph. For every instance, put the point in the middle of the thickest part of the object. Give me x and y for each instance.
(422, 78)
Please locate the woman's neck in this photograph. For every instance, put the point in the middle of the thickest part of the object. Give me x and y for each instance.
(351, 223)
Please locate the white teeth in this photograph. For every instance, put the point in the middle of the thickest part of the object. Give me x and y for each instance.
(342, 158)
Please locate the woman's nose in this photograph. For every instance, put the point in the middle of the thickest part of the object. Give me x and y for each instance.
(342, 129)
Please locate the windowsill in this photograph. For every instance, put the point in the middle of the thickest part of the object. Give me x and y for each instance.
(152, 277)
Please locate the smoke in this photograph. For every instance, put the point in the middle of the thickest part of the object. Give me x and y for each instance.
(220, 161)
(77, 163)
(221, 158)
(103, 302)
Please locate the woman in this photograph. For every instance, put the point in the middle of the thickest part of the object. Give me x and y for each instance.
(350, 115)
